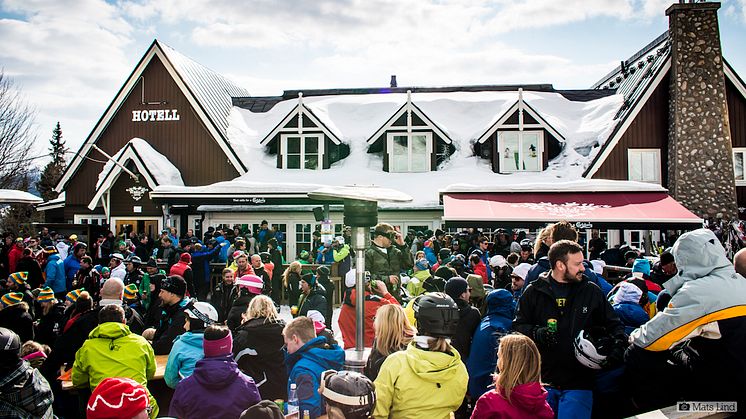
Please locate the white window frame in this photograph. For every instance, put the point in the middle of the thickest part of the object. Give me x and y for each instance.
(742, 151)
(657, 152)
(100, 219)
(539, 151)
(284, 148)
(390, 147)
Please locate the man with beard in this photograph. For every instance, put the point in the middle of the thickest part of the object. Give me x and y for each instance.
(556, 310)
(258, 267)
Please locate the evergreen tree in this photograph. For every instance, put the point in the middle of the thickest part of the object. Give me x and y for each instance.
(53, 170)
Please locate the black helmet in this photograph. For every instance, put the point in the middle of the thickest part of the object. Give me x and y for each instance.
(10, 348)
(265, 257)
(351, 392)
(436, 314)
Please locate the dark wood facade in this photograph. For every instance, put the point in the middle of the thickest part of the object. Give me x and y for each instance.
(187, 142)
(649, 129)
(737, 122)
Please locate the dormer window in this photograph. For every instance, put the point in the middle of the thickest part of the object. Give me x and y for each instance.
(409, 152)
(302, 151)
(520, 151)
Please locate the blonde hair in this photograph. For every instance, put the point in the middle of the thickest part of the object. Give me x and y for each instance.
(393, 330)
(518, 362)
(260, 307)
(544, 234)
(302, 327)
(296, 267)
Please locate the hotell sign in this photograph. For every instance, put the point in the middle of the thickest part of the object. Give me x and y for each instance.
(155, 115)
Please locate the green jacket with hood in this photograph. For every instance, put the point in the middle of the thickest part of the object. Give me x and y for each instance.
(113, 351)
(416, 383)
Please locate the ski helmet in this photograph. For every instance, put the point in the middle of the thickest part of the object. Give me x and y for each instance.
(351, 392)
(436, 314)
(586, 351)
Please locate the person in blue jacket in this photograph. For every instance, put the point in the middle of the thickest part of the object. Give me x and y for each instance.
(55, 273)
(187, 349)
(494, 325)
(325, 254)
(307, 357)
(72, 263)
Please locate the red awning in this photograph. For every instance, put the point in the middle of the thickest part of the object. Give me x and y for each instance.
(624, 210)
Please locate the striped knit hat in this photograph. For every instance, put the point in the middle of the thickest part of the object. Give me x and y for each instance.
(130, 292)
(11, 298)
(73, 295)
(45, 295)
(19, 278)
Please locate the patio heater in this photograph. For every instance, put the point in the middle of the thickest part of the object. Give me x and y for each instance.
(360, 213)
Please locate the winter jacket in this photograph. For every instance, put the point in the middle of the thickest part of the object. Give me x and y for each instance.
(14, 256)
(381, 265)
(25, 394)
(585, 307)
(72, 265)
(119, 272)
(113, 351)
(222, 256)
(375, 361)
(415, 286)
(343, 258)
(185, 353)
(481, 270)
(258, 351)
(216, 389)
(347, 317)
(468, 321)
(18, 319)
(201, 265)
(55, 273)
(305, 367)
(222, 299)
(495, 324)
(30, 265)
(90, 280)
(430, 255)
(631, 315)
(325, 258)
(543, 266)
(49, 326)
(168, 255)
(185, 271)
(416, 383)
(315, 300)
(68, 344)
(240, 304)
(171, 326)
(658, 276)
(527, 401)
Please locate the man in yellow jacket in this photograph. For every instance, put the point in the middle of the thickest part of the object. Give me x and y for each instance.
(113, 351)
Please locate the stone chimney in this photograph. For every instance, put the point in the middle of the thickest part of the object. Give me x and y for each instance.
(700, 155)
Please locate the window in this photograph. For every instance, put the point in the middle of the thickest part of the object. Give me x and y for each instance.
(644, 165)
(303, 237)
(520, 151)
(302, 151)
(409, 152)
(739, 156)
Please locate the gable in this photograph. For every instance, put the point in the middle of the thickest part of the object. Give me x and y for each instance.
(186, 142)
(417, 119)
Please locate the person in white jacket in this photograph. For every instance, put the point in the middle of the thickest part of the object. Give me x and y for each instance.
(116, 264)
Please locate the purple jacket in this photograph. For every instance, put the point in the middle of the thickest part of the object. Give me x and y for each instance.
(216, 389)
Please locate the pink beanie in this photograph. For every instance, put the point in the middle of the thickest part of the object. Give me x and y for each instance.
(220, 347)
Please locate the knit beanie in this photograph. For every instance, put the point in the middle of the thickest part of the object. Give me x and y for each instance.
(105, 270)
(46, 294)
(19, 278)
(220, 347)
(11, 298)
(130, 292)
(455, 287)
(265, 409)
(116, 398)
(641, 265)
(252, 283)
(175, 285)
(73, 295)
(185, 257)
(627, 293)
(310, 279)
(422, 265)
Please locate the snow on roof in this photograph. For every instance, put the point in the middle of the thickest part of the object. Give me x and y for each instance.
(463, 115)
(579, 185)
(13, 196)
(158, 166)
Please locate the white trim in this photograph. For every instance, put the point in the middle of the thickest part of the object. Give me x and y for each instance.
(78, 218)
(300, 110)
(116, 170)
(731, 75)
(47, 207)
(113, 221)
(390, 146)
(520, 106)
(284, 149)
(612, 143)
(124, 93)
(656, 152)
(409, 108)
(539, 151)
(742, 150)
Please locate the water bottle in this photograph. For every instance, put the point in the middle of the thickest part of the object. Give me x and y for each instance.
(292, 400)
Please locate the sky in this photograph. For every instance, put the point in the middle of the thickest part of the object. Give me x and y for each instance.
(69, 58)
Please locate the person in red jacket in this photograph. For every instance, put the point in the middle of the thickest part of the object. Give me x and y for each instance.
(374, 298)
(478, 266)
(182, 269)
(518, 392)
(15, 255)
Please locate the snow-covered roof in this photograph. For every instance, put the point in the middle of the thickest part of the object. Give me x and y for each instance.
(579, 185)
(464, 116)
(13, 196)
(58, 202)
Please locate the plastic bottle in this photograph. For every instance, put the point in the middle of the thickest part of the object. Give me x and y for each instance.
(292, 404)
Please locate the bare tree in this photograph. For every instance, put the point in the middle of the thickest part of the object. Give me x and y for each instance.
(16, 135)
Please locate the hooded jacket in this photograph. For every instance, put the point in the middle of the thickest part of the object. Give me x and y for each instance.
(527, 401)
(416, 383)
(49, 326)
(306, 365)
(171, 326)
(495, 324)
(113, 351)
(24, 393)
(258, 351)
(468, 321)
(216, 389)
(315, 300)
(631, 315)
(185, 353)
(55, 272)
(346, 319)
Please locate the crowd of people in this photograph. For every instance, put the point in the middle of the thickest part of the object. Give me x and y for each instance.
(456, 324)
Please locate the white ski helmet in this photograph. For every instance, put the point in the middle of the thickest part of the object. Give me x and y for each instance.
(586, 353)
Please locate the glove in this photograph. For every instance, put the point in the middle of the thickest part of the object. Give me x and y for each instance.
(615, 357)
(684, 355)
(545, 338)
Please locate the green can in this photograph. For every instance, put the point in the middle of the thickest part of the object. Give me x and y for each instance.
(280, 403)
(552, 325)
